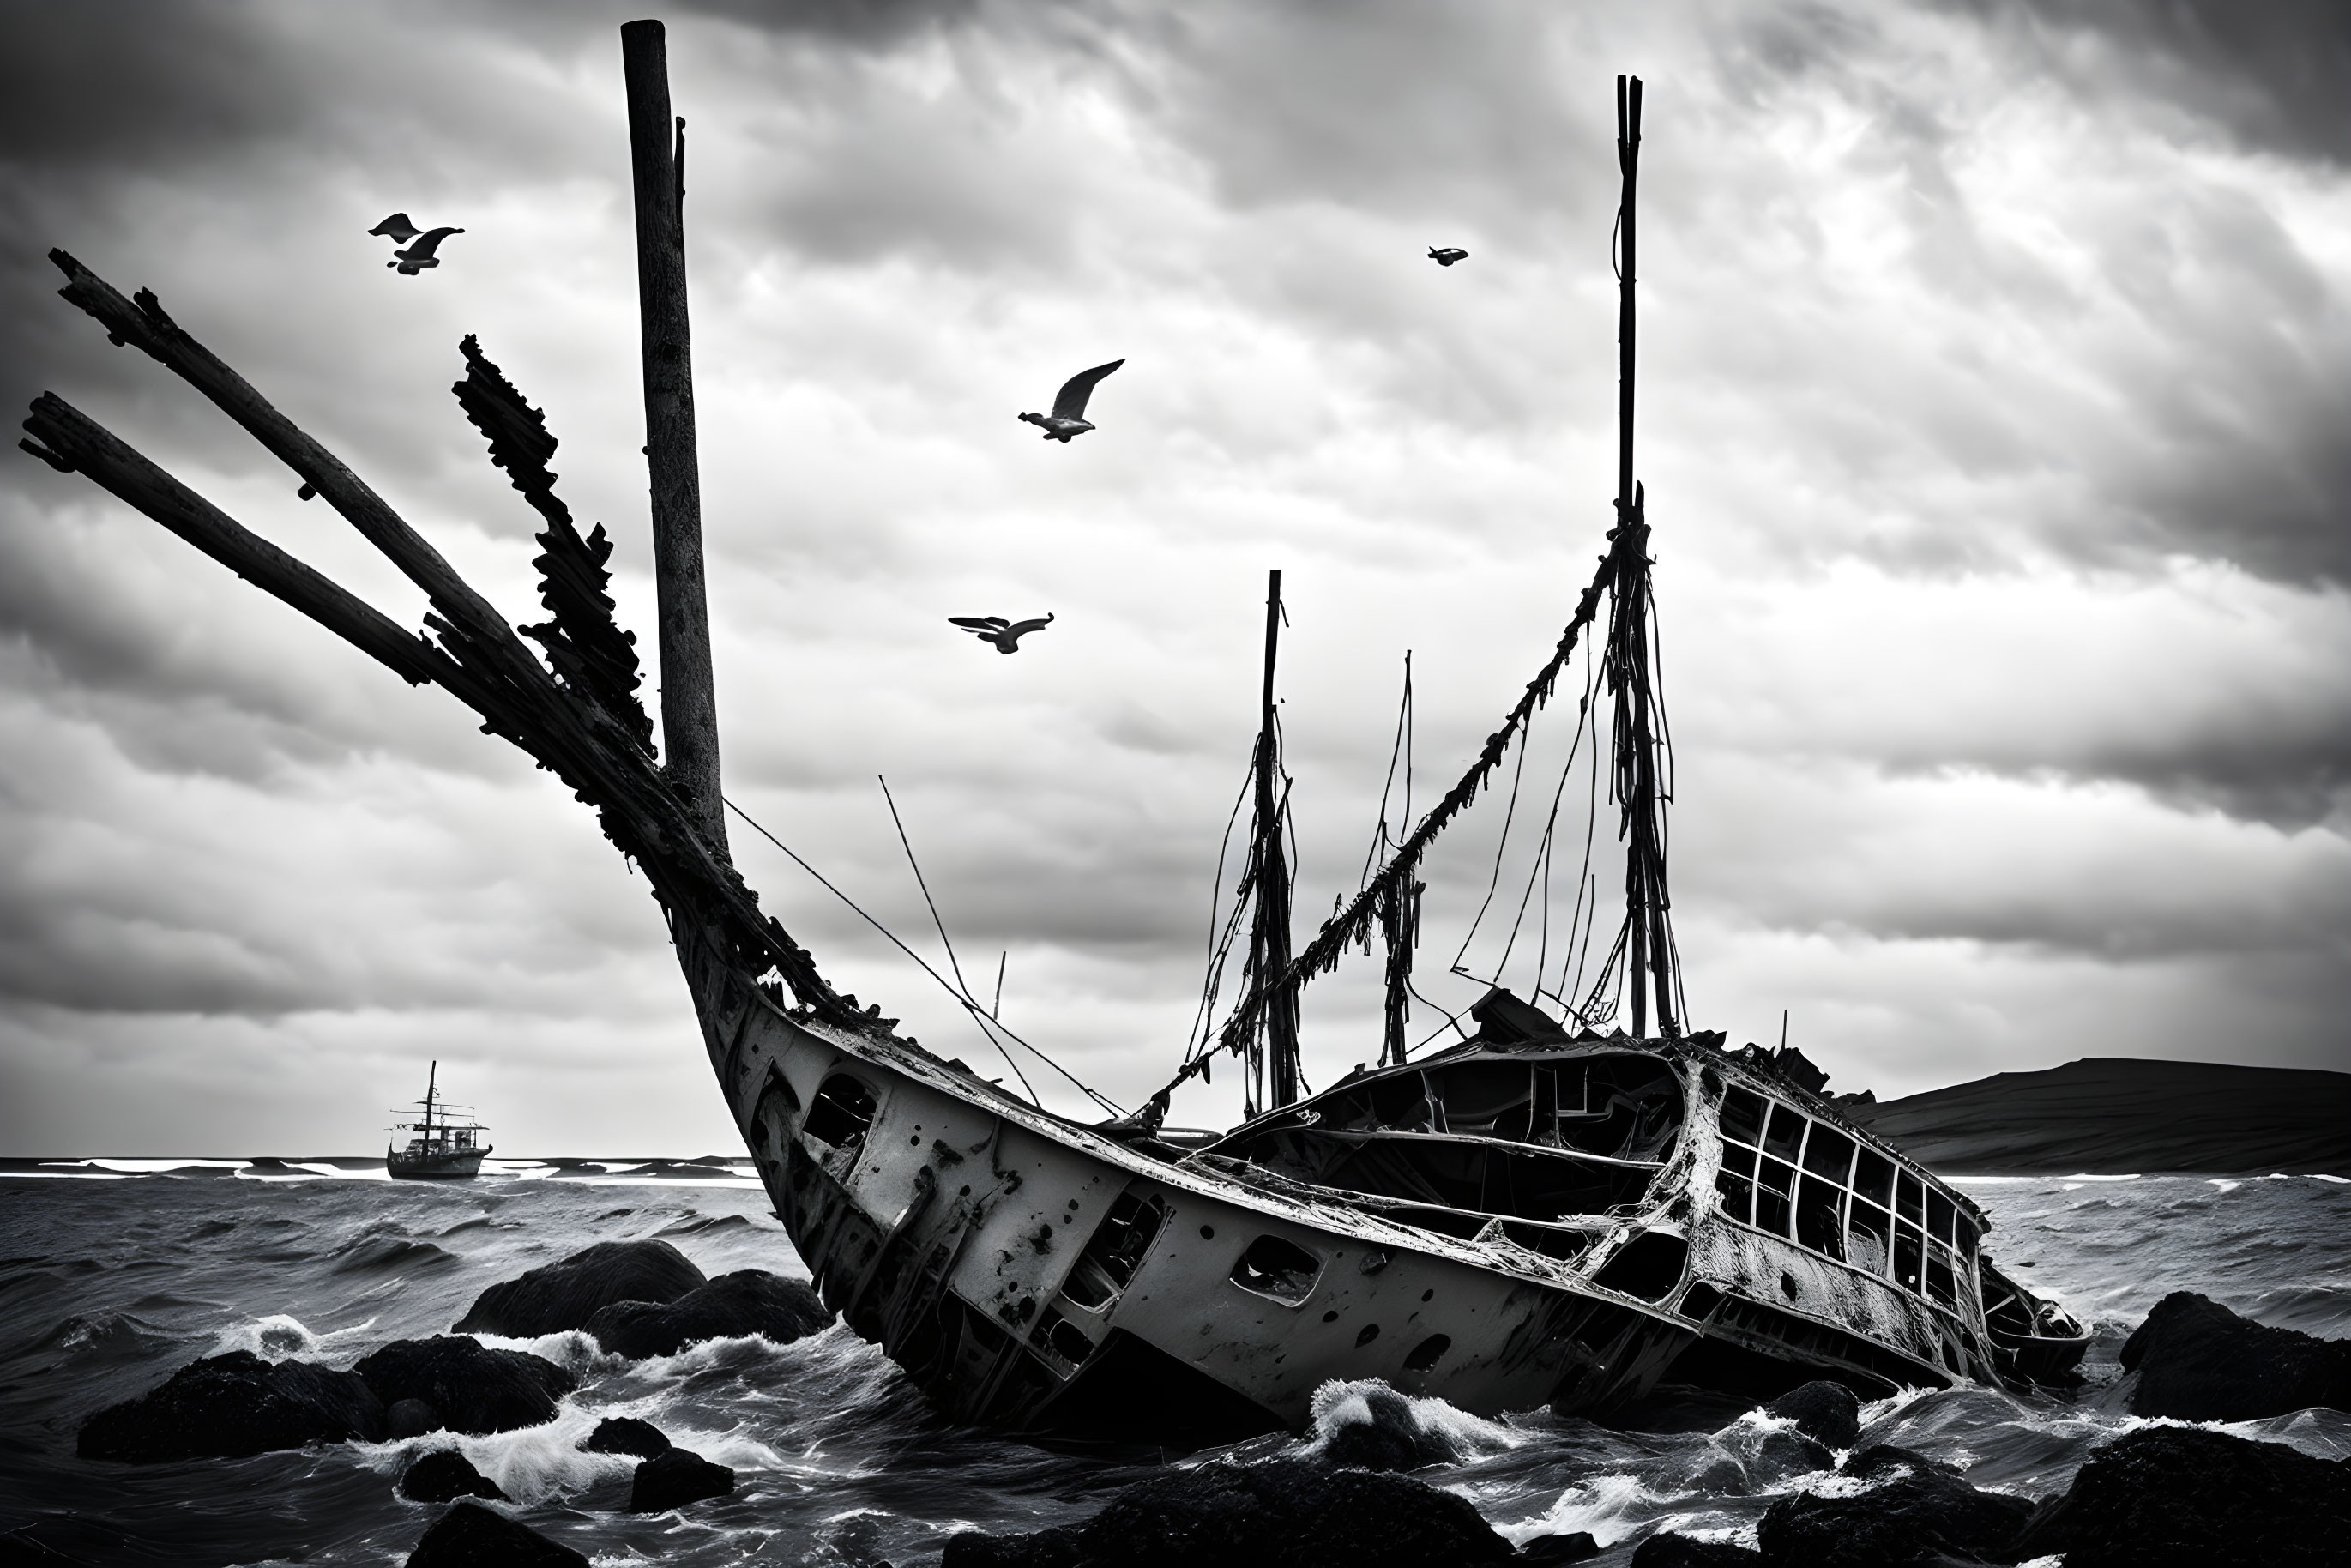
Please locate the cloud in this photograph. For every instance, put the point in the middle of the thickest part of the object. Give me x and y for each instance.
(2273, 75)
(1989, 402)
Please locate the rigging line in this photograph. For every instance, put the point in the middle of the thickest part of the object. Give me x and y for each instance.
(1324, 952)
(826, 884)
(1542, 869)
(908, 845)
(1211, 980)
(1586, 911)
(988, 1027)
(1452, 1020)
(1501, 847)
(1381, 840)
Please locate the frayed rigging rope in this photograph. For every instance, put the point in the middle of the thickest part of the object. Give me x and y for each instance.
(988, 1026)
(1349, 926)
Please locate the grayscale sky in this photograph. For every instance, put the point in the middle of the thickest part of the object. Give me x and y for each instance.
(1996, 421)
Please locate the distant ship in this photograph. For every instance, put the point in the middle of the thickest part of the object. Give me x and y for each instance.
(439, 1146)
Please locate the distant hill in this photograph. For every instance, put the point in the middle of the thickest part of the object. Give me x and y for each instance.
(2114, 1114)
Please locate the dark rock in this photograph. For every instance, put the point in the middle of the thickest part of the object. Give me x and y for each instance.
(566, 1295)
(444, 1476)
(675, 1477)
(476, 1389)
(1544, 1550)
(1683, 1551)
(749, 1302)
(1917, 1511)
(2198, 1361)
(2171, 1496)
(411, 1419)
(1780, 1456)
(1827, 1413)
(472, 1536)
(1386, 1436)
(230, 1406)
(627, 1435)
(1282, 1513)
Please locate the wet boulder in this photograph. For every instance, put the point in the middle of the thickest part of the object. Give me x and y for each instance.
(1371, 1427)
(749, 1302)
(1912, 1511)
(472, 1536)
(565, 1295)
(445, 1475)
(226, 1406)
(1282, 1513)
(675, 1477)
(1827, 1413)
(476, 1389)
(2171, 1495)
(1545, 1551)
(2198, 1361)
(627, 1435)
(1671, 1551)
(411, 1419)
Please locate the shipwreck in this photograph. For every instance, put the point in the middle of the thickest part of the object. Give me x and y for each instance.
(1541, 1213)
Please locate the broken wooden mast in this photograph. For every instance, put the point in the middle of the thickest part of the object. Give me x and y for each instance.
(689, 702)
(1650, 961)
(1270, 878)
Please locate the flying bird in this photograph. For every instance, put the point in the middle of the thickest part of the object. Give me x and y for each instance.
(1005, 635)
(1069, 415)
(419, 255)
(1448, 256)
(397, 229)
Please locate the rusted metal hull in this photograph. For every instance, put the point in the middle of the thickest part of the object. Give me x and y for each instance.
(1029, 1272)
(963, 1231)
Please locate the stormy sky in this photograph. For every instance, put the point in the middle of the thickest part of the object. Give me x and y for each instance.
(1995, 417)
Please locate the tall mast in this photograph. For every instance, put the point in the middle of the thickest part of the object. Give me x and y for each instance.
(1270, 873)
(432, 1075)
(1649, 946)
(688, 693)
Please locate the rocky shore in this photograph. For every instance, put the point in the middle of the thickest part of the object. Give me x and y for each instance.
(2152, 1496)
(634, 1299)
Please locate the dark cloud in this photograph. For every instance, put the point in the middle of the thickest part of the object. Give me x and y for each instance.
(2275, 73)
(871, 23)
(155, 84)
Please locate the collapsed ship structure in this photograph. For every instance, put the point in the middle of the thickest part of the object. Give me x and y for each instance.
(1541, 1213)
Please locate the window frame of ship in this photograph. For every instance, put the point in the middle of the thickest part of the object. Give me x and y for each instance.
(1875, 1198)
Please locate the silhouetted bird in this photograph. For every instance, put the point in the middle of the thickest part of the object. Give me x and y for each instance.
(419, 255)
(1069, 415)
(397, 229)
(994, 629)
(1448, 256)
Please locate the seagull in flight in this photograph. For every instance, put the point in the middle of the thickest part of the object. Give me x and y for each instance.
(994, 629)
(1069, 415)
(1447, 254)
(419, 255)
(397, 229)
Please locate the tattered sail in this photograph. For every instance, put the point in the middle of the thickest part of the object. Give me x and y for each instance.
(590, 655)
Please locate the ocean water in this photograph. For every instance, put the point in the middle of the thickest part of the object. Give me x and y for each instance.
(114, 1273)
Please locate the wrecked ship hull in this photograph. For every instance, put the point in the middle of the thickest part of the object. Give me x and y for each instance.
(1034, 1273)
(1031, 1273)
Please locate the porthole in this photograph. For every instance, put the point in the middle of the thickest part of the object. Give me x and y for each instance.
(1277, 1270)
